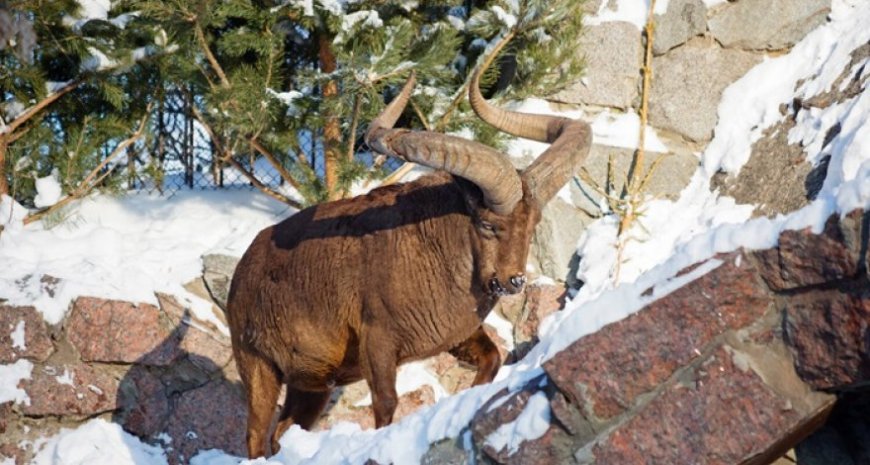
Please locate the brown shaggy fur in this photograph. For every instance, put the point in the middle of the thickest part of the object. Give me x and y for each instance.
(353, 288)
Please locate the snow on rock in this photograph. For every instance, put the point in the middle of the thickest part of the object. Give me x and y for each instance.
(18, 341)
(411, 377)
(129, 248)
(48, 190)
(10, 376)
(631, 11)
(531, 424)
(98, 442)
(751, 105)
(622, 130)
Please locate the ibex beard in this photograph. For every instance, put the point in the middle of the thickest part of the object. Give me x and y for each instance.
(351, 289)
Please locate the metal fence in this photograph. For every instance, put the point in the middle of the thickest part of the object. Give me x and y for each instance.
(181, 157)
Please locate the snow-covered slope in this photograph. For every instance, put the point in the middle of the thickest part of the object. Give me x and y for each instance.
(123, 248)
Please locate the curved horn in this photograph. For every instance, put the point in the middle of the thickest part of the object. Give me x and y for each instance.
(487, 168)
(570, 142)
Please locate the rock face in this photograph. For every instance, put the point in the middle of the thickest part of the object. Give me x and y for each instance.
(168, 378)
(773, 332)
(613, 56)
(683, 20)
(689, 83)
(749, 24)
(23, 335)
(153, 369)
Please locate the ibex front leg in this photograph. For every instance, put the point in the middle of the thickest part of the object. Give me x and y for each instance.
(480, 351)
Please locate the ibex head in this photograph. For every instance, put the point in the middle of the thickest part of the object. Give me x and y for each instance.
(509, 204)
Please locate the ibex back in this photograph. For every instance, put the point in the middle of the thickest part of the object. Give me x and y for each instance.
(351, 289)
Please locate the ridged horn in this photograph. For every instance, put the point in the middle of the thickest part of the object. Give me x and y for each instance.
(484, 166)
(570, 142)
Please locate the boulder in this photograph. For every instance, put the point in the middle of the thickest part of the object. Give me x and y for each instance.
(23, 334)
(688, 85)
(751, 24)
(683, 20)
(217, 272)
(803, 259)
(613, 57)
(77, 391)
(120, 332)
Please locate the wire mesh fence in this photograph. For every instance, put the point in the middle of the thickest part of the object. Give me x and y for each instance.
(181, 157)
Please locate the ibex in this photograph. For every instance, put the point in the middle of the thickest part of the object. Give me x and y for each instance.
(351, 289)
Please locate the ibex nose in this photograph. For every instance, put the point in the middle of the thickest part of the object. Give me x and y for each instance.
(495, 287)
(518, 281)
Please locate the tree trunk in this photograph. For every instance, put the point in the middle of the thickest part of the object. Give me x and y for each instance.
(332, 125)
(4, 186)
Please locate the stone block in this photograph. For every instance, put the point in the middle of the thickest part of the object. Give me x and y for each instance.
(78, 391)
(767, 24)
(723, 414)
(116, 331)
(23, 334)
(828, 333)
(683, 20)
(688, 85)
(804, 259)
(608, 370)
(613, 57)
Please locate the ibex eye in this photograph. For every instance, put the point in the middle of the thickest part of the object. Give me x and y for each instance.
(487, 226)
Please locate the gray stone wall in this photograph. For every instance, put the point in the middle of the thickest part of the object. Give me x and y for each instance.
(698, 52)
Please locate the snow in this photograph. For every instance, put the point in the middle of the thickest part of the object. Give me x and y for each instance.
(98, 442)
(712, 3)
(751, 105)
(631, 11)
(17, 336)
(48, 190)
(531, 424)
(368, 18)
(137, 255)
(129, 248)
(11, 214)
(66, 378)
(410, 377)
(10, 376)
(504, 17)
(622, 130)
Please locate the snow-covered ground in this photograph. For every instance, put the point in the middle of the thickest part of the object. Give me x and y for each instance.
(130, 247)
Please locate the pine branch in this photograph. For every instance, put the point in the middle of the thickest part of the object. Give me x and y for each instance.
(200, 35)
(459, 96)
(7, 136)
(86, 186)
(229, 158)
(275, 164)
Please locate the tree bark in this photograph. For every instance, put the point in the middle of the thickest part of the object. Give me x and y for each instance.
(4, 185)
(332, 125)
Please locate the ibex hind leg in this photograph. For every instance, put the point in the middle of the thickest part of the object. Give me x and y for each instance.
(301, 408)
(262, 383)
(480, 351)
(379, 364)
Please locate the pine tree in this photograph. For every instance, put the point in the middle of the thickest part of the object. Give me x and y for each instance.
(70, 90)
(295, 81)
(289, 82)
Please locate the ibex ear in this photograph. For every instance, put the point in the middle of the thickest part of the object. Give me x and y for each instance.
(471, 194)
